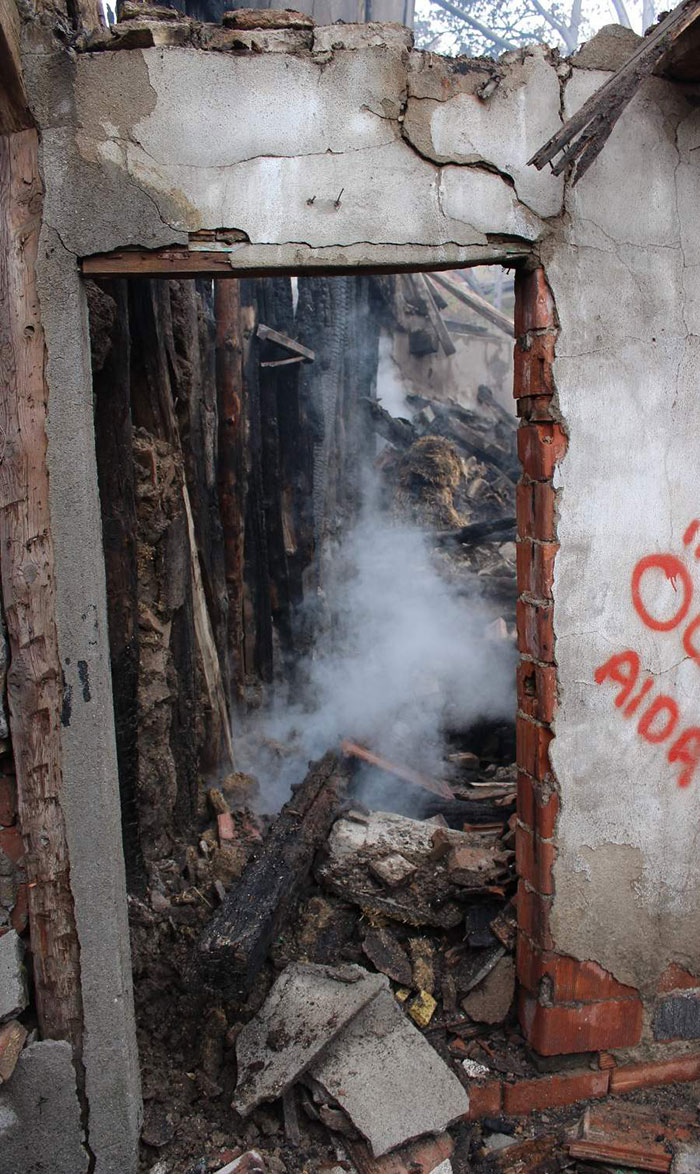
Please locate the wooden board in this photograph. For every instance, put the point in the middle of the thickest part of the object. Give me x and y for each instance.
(35, 690)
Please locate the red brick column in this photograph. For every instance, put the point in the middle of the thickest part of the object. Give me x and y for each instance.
(565, 1005)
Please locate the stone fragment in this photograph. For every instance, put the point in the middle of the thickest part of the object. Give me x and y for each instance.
(467, 865)
(266, 18)
(388, 1079)
(678, 1017)
(423, 963)
(306, 1009)
(248, 1163)
(12, 1037)
(215, 38)
(422, 1008)
(40, 1126)
(610, 48)
(472, 969)
(372, 35)
(384, 952)
(13, 984)
(490, 1001)
(132, 10)
(392, 870)
(686, 1160)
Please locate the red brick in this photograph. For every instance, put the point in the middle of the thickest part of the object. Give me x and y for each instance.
(606, 1061)
(535, 625)
(675, 978)
(533, 916)
(533, 357)
(535, 567)
(540, 447)
(535, 510)
(19, 918)
(538, 807)
(421, 1157)
(11, 843)
(8, 800)
(484, 1100)
(561, 1030)
(565, 1088)
(537, 690)
(225, 826)
(679, 1069)
(534, 859)
(534, 304)
(532, 747)
(570, 981)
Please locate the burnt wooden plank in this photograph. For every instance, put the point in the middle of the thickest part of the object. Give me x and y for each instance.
(235, 944)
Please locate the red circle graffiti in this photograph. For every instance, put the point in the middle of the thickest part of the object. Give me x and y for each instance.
(673, 568)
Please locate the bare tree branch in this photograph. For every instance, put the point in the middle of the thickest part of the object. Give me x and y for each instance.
(475, 24)
(621, 12)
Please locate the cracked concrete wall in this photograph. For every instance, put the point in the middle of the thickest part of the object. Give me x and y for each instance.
(346, 148)
(626, 277)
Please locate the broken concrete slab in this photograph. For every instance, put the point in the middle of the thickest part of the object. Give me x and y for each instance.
(40, 1126)
(306, 1009)
(388, 1079)
(490, 1001)
(13, 983)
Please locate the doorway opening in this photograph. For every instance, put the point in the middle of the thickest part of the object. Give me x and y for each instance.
(308, 503)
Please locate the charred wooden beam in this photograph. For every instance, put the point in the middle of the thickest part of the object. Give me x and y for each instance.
(230, 465)
(583, 137)
(436, 317)
(475, 302)
(400, 433)
(235, 944)
(476, 532)
(436, 786)
(267, 334)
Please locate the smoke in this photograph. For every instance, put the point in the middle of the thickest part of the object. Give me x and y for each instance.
(404, 655)
(391, 388)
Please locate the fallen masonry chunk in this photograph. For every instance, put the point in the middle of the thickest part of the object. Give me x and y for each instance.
(306, 1009)
(388, 1079)
(254, 18)
(430, 895)
(13, 986)
(12, 1037)
(392, 870)
(490, 1001)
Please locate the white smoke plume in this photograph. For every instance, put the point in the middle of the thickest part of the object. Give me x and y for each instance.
(404, 656)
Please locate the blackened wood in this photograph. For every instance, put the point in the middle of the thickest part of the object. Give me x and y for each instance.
(236, 943)
(231, 471)
(476, 532)
(258, 636)
(115, 470)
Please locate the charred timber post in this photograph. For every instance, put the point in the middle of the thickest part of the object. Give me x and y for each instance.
(233, 948)
(231, 460)
(27, 569)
